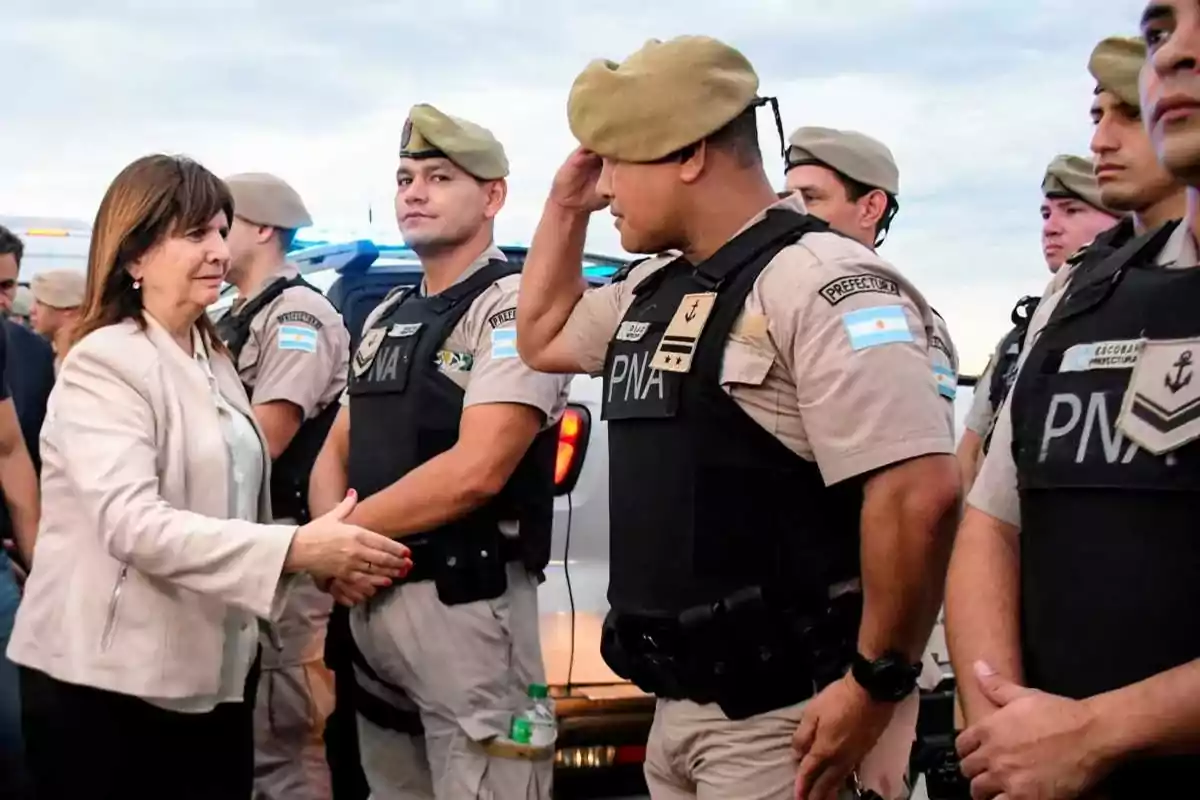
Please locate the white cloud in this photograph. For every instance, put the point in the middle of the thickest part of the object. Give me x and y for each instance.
(973, 96)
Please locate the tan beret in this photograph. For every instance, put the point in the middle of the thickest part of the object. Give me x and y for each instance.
(1115, 64)
(428, 133)
(1072, 176)
(854, 154)
(59, 288)
(267, 200)
(661, 99)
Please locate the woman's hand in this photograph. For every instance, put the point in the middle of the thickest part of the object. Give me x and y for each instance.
(328, 548)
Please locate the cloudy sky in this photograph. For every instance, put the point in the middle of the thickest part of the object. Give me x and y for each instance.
(973, 96)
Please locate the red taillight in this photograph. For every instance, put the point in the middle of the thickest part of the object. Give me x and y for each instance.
(572, 437)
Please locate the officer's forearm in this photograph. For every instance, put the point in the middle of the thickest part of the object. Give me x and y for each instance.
(441, 490)
(328, 483)
(908, 518)
(1159, 716)
(982, 620)
(551, 284)
(969, 450)
(279, 420)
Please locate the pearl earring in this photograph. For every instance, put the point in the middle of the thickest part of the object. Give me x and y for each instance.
(137, 284)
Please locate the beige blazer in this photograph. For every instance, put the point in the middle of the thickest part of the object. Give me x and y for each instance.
(136, 562)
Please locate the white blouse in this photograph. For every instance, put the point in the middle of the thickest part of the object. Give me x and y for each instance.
(246, 473)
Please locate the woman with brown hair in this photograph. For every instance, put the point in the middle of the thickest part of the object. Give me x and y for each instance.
(137, 633)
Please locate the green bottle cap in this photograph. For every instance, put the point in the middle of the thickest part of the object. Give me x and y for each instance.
(538, 691)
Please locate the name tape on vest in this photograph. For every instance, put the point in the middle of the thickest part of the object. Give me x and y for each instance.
(838, 290)
(402, 330)
(632, 331)
(678, 344)
(1101, 355)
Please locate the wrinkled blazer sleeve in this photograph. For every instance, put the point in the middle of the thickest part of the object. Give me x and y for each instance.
(106, 433)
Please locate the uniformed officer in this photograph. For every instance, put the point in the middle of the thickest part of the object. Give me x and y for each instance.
(1074, 592)
(450, 440)
(1073, 215)
(57, 296)
(851, 181)
(771, 413)
(292, 352)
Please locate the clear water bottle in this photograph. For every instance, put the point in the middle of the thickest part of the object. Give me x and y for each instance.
(536, 725)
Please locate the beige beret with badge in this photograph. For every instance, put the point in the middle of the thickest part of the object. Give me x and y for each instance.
(1073, 176)
(59, 288)
(855, 155)
(661, 99)
(1115, 64)
(430, 133)
(264, 199)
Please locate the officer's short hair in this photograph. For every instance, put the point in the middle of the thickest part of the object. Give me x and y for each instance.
(11, 245)
(857, 190)
(738, 137)
(285, 236)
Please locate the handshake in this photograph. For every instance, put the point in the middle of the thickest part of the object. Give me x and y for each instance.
(349, 562)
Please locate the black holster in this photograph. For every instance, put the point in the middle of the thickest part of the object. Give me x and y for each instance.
(745, 654)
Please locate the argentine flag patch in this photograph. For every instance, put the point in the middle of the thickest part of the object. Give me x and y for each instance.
(297, 337)
(504, 343)
(871, 327)
(947, 382)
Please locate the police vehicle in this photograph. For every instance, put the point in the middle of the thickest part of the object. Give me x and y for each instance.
(603, 720)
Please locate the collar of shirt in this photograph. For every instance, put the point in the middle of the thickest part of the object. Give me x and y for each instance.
(792, 202)
(492, 253)
(285, 270)
(1181, 249)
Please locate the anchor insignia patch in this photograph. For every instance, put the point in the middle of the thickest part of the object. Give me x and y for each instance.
(1161, 408)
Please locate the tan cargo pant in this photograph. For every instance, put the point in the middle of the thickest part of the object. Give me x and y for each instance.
(695, 752)
(295, 697)
(466, 668)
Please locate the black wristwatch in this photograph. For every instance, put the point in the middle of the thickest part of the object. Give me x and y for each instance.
(888, 679)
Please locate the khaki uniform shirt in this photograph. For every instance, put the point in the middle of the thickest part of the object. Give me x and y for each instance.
(982, 413)
(298, 351)
(791, 362)
(995, 490)
(483, 362)
(284, 360)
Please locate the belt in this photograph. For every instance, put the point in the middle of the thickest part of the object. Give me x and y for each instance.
(428, 557)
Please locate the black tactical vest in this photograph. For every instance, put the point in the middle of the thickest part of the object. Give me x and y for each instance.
(290, 472)
(1110, 558)
(704, 502)
(1005, 371)
(404, 412)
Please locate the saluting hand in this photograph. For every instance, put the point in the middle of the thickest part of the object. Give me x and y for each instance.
(574, 185)
(839, 727)
(328, 548)
(1037, 746)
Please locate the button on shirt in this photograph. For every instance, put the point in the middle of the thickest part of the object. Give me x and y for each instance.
(246, 473)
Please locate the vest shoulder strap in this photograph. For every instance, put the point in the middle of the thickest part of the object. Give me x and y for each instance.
(779, 228)
(623, 273)
(1091, 284)
(235, 328)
